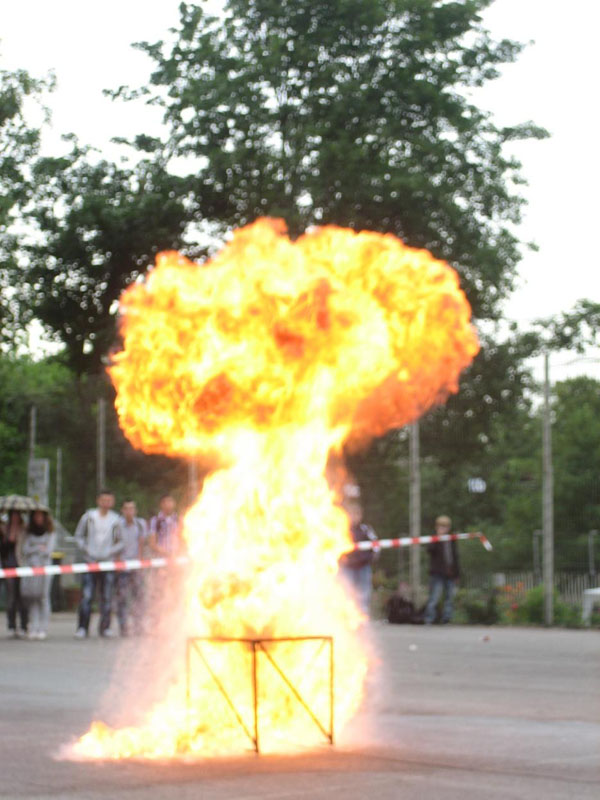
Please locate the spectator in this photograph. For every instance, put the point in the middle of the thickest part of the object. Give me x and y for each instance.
(443, 573)
(10, 551)
(98, 537)
(356, 566)
(164, 541)
(37, 552)
(130, 585)
(164, 537)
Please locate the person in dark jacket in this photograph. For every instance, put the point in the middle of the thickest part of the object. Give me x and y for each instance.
(356, 566)
(444, 572)
(11, 542)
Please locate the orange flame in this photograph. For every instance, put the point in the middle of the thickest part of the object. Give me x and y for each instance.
(267, 358)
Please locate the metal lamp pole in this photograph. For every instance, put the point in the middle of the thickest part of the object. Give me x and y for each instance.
(592, 560)
(547, 502)
(414, 510)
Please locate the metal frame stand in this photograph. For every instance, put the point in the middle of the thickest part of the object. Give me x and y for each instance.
(194, 644)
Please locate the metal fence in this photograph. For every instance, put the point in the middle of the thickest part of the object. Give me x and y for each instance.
(570, 586)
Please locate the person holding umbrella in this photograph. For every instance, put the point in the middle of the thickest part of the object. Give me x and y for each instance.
(10, 548)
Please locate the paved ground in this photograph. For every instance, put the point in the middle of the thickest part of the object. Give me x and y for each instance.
(455, 712)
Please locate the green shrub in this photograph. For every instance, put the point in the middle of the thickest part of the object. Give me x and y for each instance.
(477, 607)
(531, 610)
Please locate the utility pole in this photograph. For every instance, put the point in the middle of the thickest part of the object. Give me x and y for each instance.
(414, 510)
(32, 431)
(592, 560)
(536, 557)
(547, 501)
(57, 511)
(101, 446)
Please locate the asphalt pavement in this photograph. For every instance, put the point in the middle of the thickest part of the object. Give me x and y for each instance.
(450, 712)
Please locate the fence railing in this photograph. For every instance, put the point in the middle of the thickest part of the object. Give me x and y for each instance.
(570, 586)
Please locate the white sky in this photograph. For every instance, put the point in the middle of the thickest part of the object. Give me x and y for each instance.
(554, 83)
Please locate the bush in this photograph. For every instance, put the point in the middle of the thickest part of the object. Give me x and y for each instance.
(531, 610)
(477, 607)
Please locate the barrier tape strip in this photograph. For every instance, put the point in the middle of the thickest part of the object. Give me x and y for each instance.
(154, 563)
(99, 566)
(407, 541)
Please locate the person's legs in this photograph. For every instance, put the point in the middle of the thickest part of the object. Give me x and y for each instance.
(88, 583)
(45, 606)
(363, 583)
(137, 585)
(436, 586)
(450, 591)
(11, 604)
(123, 580)
(106, 584)
(22, 608)
(34, 616)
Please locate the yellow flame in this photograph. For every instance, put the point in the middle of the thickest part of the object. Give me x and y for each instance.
(268, 358)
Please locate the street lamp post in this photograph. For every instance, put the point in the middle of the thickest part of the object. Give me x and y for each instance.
(592, 561)
(414, 510)
(547, 502)
(536, 557)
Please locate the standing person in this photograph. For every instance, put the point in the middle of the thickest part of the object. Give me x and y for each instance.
(356, 566)
(97, 536)
(444, 572)
(10, 550)
(133, 532)
(164, 539)
(37, 552)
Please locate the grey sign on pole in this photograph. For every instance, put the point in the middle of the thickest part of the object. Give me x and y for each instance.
(38, 479)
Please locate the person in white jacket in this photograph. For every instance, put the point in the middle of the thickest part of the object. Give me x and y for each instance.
(37, 548)
(98, 538)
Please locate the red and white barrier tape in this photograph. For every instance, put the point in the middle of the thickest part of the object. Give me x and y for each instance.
(100, 566)
(407, 541)
(154, 563)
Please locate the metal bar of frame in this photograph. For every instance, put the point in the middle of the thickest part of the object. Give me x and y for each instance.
(331, 691)
(296, 693)
(230, 703)
(255, 696)
(257, 644)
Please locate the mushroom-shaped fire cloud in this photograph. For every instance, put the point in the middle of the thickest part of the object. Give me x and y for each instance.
(266, 359)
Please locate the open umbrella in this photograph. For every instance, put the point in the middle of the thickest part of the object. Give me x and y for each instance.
(19, 502)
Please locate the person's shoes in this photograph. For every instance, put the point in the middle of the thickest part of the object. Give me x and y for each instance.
(32, 635)
(80, 633)
(42, 635)
(108, 634)
(11, 633)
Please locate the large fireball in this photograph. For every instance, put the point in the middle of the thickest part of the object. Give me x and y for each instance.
(266, 359)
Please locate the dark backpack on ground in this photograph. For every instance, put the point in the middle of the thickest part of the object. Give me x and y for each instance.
(399, 610)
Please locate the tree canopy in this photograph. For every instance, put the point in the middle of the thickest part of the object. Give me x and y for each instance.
(352, 112)
(19, 145)
(98, 226)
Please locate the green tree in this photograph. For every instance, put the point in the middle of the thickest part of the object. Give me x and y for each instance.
(357, 113)
(97, 228)
(576, 460)
(19, 145)
(67, 407)
(347, 112)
